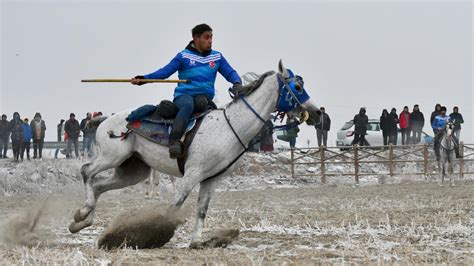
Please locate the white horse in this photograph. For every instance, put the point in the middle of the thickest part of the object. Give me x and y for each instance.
(220, 140)
(447, 145)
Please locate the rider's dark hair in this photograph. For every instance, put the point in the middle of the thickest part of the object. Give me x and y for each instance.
(200, 29)
(443, 108)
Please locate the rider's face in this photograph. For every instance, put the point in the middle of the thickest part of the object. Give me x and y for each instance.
(203, 43)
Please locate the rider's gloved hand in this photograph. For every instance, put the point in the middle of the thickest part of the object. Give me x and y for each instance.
(136, 80)
(236, 89)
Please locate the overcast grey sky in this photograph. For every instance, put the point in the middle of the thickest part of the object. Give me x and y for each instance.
(377, 54)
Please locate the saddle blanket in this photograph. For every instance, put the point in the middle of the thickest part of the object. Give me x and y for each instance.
(157, 131)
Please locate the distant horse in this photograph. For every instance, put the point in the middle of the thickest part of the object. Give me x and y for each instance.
(447, 146)
(221, 139)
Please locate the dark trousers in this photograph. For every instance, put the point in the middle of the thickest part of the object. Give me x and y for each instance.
(25, 146)
(322, 136)
(386, 138)
(359, 139)
(38, 148)
(417, 135)
(405, 135)
(292, 142)
(70, 142)
(3, 147)
(185, 104)
(16, 145)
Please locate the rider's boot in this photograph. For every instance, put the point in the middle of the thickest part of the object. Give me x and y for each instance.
(176, 146)
(436, 150)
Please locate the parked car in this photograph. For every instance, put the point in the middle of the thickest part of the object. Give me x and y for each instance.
(374, 134)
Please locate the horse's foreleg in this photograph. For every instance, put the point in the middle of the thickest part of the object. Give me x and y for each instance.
(205, 192)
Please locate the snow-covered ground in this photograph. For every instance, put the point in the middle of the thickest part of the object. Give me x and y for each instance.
(403, 219)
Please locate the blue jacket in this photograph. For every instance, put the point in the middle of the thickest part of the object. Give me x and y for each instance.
(440, 122)
(27, 132)
(201, 69)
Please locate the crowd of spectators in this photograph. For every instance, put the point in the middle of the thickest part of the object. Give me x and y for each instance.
(21, 132)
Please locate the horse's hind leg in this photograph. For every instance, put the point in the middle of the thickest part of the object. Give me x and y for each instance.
(451, 172)
(84, 216)
(129, 173)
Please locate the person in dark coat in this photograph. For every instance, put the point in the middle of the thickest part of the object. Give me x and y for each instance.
(393, 127)
(292, 132)
(360, 127)
(4, 136)
(434, 114)
(38, 127)
(17, 135)
(323, 127)
(385, 126)
(458, 120)
(266, 137)
(60, 131)
(27, 136)
(73, 130)
(417, 121)
(88, 135)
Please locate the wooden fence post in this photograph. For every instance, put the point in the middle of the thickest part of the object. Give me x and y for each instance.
(425, 159)
(461, 160)
(323, 168)
(390, 158)
(356, 163)
(292, 156)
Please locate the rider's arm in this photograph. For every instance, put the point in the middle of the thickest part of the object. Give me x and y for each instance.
(167, 70)
(228, 72)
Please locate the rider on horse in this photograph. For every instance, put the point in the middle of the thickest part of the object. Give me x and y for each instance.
(439, 123)
(199, 64)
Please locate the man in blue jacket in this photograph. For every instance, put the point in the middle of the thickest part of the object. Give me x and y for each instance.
(438, 125)
(199, 64)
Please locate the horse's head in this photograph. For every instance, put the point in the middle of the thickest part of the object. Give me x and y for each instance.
(293, 96)
(449, 128)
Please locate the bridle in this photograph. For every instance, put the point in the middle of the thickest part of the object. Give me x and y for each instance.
(291, 95)
(448, 137)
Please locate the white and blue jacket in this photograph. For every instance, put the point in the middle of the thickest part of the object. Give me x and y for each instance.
(440, 122)
(200, 69)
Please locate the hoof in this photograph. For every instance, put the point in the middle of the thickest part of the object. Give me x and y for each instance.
(81, 215)
(453, 185)
(76, 227)
(196, 245)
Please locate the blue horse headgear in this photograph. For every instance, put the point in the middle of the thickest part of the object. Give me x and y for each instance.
(292, 92)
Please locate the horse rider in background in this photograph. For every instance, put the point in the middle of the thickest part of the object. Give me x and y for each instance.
(438, 125)
(199, 64)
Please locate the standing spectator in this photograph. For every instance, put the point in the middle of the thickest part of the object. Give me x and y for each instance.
(17, 135)
(360, 127)
(323, 127)
(293, 131)
(88, 134)
(404, 125)
(72, 129)
(417, 121)
(60, 128)
(393, 126)
(4, 134)
(27, 135)
(266, 137)
(38, 127)
(458, 120)
(385, 126)
(434, 114)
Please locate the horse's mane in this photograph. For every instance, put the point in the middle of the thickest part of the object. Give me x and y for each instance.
(251, 81)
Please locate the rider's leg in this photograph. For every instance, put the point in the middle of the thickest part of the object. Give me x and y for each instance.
(456, 146)
(185, 104)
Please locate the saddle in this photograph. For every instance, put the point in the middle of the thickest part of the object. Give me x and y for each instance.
(154, 124)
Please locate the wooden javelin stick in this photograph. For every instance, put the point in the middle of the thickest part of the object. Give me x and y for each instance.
(142, 80)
